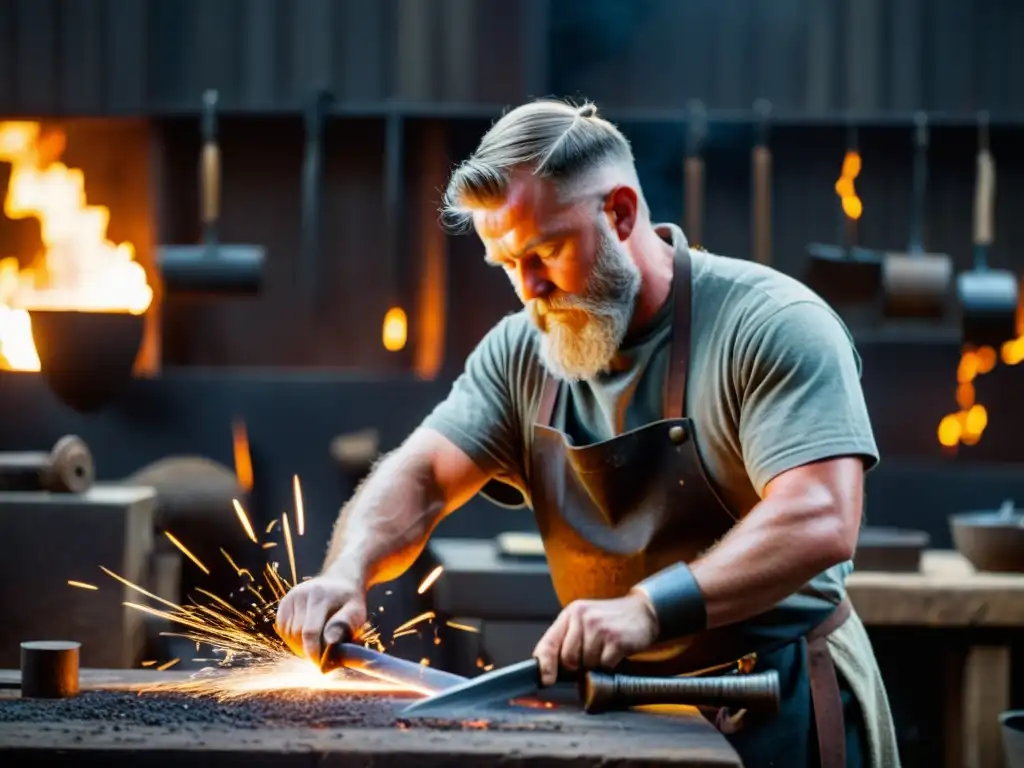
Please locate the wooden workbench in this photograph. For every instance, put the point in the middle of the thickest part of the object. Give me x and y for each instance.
(565, 736)
(948, 593)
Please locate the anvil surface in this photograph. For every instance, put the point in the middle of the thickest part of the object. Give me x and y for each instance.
(506, 736)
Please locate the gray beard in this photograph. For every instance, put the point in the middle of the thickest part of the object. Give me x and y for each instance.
(583, 344)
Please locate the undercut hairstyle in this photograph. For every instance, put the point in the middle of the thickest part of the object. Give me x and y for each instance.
(554, 139)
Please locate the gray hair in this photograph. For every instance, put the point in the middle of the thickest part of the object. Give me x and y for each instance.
(554, 139)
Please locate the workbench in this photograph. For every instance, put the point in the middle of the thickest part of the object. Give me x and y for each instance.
(975, 613)
(949, 594)
(563, 735)
(63, 537)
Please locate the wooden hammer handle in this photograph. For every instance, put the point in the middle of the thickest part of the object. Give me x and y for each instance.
(694, 175)
(984, 199)
(604, 692)
(762, 204)
(210, 181)
(209, 164)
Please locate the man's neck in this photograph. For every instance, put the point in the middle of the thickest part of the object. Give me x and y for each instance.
(654, 258)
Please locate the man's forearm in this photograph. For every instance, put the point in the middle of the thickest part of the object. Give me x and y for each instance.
(778, 547)
(775, 550)
(385, 525)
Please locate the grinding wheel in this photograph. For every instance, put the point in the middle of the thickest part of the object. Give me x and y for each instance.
(194, 503)
(193, 492)
(71, 467)
(917, 283)
(988, 297)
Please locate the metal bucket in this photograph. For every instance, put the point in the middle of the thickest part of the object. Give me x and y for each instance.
(991, 541)
(1013, 737)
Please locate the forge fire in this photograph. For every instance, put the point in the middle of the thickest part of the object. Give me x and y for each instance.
(78, 267)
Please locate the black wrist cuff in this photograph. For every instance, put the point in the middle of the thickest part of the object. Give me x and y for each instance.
(677, 600)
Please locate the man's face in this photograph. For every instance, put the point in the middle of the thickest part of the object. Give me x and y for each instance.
(570, 269)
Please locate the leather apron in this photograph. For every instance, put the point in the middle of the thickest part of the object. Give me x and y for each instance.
(615, 512)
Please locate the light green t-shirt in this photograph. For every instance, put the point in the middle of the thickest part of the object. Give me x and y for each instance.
(773, 383)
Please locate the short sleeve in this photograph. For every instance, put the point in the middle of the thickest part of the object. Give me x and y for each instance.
(800, 394)
(479, 413)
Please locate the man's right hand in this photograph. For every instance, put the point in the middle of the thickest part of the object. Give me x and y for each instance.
(329, 606)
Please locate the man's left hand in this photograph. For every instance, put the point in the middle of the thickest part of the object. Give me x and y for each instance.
(596, 634)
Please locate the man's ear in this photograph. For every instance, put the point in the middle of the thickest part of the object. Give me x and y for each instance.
(621, 206)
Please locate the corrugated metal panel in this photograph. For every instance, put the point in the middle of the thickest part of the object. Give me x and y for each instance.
(143, 56)
(818, 56)
(81, 36)
(822, 56)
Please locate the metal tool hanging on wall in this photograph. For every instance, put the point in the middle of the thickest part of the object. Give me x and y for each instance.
(395, 329)
(844, 273)
(693, 172)
(761, 194)
(312, 194)
(211, 267)
(988, 297)
(917, 283)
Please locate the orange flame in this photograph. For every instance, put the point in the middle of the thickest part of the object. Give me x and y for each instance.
(966, 426)
(395, 329)
(243, 456)
(79, 268)
(852, 205)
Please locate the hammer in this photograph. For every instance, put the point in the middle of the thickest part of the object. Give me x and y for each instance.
(916, 283)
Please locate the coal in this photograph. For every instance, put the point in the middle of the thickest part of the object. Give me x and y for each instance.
(313, 709)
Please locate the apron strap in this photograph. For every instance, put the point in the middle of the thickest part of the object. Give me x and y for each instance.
(547, 400)
(679, 353)
(679, 360)
(825, 697)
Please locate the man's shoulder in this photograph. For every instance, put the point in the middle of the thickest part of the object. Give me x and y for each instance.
(745, 297)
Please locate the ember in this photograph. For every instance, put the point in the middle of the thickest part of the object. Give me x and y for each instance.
(79, 267)
(315, 709)
(251, 660)
(170, 709)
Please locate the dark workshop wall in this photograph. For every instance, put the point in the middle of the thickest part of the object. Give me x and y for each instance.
(810, 57)
(150, 56)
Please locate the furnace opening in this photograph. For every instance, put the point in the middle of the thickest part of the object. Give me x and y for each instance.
(76, 228)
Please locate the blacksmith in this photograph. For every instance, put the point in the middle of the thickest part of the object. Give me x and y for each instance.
(689, 430)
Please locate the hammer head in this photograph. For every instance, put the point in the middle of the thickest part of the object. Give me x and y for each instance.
(988, 304)
(916, 284)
